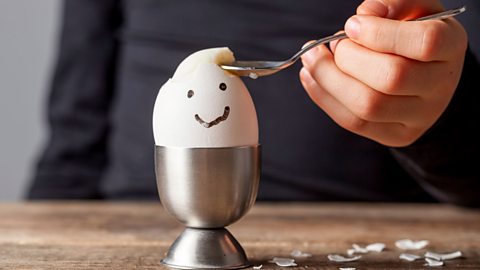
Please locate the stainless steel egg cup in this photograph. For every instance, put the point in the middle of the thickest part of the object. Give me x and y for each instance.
(207, 189)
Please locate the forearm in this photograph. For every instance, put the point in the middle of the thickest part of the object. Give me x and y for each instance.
(445, 159)
(80, 98)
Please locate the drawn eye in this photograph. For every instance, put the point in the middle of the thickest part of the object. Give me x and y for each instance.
(190, 93)
(222, 86)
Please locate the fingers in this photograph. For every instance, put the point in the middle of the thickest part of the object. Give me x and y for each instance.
(392, 79)
(337, 111)
(391, 134)
(388, 73)
(399, 9)
(434, 40)
(363, 101)
(374, 8)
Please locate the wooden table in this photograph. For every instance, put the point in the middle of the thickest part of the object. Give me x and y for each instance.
(66, 235)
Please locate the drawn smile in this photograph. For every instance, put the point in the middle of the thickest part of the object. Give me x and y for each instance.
(217, 120)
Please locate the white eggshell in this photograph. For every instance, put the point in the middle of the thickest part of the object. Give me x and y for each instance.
(174, 115)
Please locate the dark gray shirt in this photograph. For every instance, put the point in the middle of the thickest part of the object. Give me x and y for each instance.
(115, 55)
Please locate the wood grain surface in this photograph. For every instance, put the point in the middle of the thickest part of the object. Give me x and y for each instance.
(78, 235)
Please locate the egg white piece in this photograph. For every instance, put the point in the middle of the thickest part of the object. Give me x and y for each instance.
(203, 106)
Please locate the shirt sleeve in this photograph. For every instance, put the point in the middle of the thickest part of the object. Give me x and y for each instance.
(72, 163)
(445, 160)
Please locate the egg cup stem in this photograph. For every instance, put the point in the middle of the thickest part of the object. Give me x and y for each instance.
(206, 249)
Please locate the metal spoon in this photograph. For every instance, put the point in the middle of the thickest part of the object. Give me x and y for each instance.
(255, 69)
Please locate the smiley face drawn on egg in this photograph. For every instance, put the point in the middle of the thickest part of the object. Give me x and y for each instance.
(216, 121)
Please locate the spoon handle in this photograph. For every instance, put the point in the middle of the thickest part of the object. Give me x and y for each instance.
(438, 16)
(443, 15)
(316, 43)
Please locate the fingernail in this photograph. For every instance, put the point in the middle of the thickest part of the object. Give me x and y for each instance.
(333, 45)
(309, 57)
(306, 77)
(307, 43)
(352, 27)
(373, 7)
(304, 74)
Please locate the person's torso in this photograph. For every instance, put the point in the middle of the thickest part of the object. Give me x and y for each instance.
(306, 156)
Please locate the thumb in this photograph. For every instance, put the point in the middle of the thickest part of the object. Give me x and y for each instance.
(399, 9)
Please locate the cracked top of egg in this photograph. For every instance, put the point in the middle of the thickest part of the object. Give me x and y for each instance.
(203, 106)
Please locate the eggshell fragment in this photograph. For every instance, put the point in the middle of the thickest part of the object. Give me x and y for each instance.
(408, 244)
(284, 262)
(299, 254)
(409, 257)
(340, 258)
(443, 256)
(432, 262)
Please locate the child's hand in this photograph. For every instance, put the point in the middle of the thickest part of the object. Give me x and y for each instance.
(392, 79)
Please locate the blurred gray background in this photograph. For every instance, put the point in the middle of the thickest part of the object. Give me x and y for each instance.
(28, 37)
